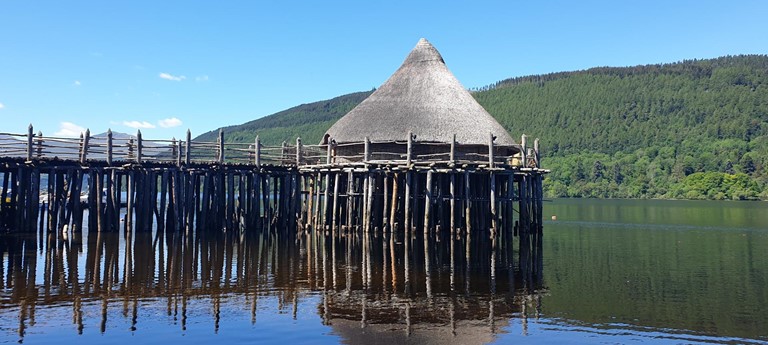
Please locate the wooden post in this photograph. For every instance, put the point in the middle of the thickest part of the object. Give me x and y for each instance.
(298, 151)
(494, 215)
(175, 154)
(257, 152)
(523, 150)
(39, 144)
(84, 148)
(109, 146)
(367, 150)
(138, 146)
(325, 197)
(369, 202)
(407, 196)
(350, 201)
(335, 209)
(188, 149)
(329, 152)
(536, 153)
(30, 136)
(427, 202)
(453, 150)
(393, 204)
(490, 150)
(221, 146)
(467, 202)
(385, 199)
(453, 202)
(178, 156)
(409, 152)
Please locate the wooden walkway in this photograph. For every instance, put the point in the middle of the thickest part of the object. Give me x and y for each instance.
(138, 185)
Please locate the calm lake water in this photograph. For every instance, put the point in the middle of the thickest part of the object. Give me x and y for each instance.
(614, 271)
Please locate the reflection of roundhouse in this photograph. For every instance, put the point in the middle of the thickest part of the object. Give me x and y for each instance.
(423, 98)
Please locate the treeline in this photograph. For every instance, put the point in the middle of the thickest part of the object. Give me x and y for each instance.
(696, 129)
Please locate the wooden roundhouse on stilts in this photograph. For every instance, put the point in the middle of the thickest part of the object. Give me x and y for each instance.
(420, 152)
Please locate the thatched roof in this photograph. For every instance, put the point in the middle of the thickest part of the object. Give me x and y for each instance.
(424, 97)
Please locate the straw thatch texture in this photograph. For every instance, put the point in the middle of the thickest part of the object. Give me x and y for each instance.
(424, 97)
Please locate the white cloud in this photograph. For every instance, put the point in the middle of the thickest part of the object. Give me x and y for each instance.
(168, 76)
(69, 129)
(201, 78)
(76, 83)
(138, 124)
(169, 123)
(2, 105)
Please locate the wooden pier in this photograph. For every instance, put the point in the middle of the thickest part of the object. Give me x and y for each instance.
(178, 185)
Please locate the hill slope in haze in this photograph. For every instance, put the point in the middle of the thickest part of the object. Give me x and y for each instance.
(696, 129)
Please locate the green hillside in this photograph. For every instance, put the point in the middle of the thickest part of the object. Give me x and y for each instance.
(308, 121)
(695, 129)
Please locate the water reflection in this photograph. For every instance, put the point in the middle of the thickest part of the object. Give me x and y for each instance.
(423, 288)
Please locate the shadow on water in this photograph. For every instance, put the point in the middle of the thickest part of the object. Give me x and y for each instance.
(366, 286)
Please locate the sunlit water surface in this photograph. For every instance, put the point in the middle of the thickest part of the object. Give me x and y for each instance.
(614, 271)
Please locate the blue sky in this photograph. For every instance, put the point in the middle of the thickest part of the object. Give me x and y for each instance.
(165, 66)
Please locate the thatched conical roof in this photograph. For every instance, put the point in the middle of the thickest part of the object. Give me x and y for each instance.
(424, 97)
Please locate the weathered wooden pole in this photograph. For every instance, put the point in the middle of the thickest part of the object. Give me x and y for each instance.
(84, 148)
(367, 150)
(536, 153)
(335, 209)
(393, 204)
(409, 150)
(220, 158)
(30, 149)
(427, 202)
(452, 157)
(350, 201)
(467, 202)
(329, 151)
(257, 152)
(523, 152)
(109, 146)
(407, 196)
(298, 151)
(188, 149)
(40, 142)
(490, 150)
(453, 202)
(325, 197)
(139, 146)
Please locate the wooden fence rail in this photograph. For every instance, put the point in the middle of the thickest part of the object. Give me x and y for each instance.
(136, 149)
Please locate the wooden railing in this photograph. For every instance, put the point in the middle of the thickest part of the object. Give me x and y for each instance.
(136, 149)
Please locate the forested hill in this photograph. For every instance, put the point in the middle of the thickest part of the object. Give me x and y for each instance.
(696, 129)
(308, 121)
